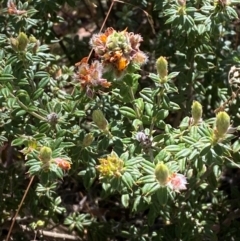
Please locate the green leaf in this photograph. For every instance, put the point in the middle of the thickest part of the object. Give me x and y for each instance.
(173, 148)
(127, 112)
(162, 114)
(162, 195)
(43, 82)
(183, 153)
(127, 179)
(147, 95)
(125, 200)
(37, 94)
(236, 146)
(17, 142)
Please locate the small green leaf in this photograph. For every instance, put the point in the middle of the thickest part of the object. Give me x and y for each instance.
(17, 142)
(162, 195)
(125, 200)
(127, 112)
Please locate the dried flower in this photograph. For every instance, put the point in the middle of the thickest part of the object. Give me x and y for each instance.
(62, 163)
(52, 118)
(144, 140)
(162, 173)
(111, 166)
(90, 76)
(118, 49)
(177, 182)
(12, 8)
(141, 136)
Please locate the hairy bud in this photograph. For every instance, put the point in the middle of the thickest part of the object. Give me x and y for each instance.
(222, 123)
(196, 112)
(99, 119)
(161, 173)
(22, 41)
(162, 68)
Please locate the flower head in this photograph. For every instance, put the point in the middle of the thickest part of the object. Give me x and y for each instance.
(111, 166)
(177, 182)
(118, 49)
(141, 136)
(90, 75)
(62, 163)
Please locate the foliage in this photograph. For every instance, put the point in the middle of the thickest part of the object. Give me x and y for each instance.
(125, 144)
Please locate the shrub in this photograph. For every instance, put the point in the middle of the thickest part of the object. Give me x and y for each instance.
(131, 142)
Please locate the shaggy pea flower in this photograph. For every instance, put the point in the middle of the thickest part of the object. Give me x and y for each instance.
(62, 163)
(110, 166)
(12, 8)
(144, 140)
(141, 136)
(118, 49)
(90, 75)
(177, 182)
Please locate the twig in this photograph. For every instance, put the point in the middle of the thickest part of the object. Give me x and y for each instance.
(19, 207)
(104, 22)
(54, 235)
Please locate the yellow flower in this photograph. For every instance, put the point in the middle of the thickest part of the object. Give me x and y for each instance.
(110, 166)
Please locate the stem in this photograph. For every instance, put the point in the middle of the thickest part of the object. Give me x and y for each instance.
(19, 207)
(30, 112)
(134, 107)
(104, 22)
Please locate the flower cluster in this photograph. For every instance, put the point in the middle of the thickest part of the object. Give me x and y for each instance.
(118, 49)
(175, 181)
(110, 166)
(90, 75)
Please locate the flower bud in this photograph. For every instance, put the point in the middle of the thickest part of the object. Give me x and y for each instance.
(88, 139)
(22, 41)
(222, 123)
(99, 119)
(196, 112)
(52, 118)
(32, 39)
(182, 2)
(14, 43)
(45, 154)
(162, 68)
(162, 173)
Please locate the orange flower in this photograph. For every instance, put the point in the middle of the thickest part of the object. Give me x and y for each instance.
(90, 76)
(118, 49)
(62, 163)
(12, 8)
